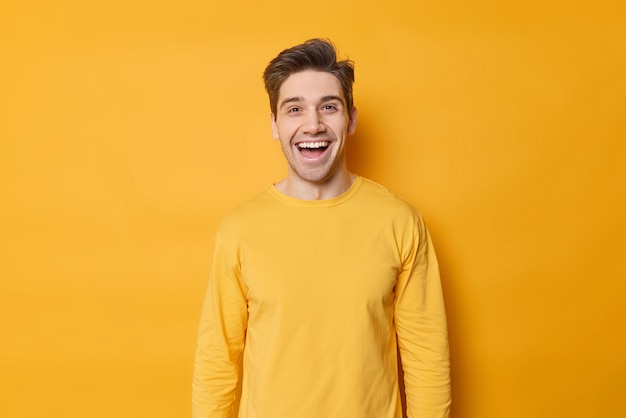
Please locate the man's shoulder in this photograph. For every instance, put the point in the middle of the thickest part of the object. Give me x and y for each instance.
(383, 198)
(248, 213)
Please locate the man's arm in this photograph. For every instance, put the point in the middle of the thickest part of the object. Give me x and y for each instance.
(221, 336)
(420, 322)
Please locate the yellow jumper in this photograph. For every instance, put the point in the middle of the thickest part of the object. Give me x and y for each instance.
(319, 295)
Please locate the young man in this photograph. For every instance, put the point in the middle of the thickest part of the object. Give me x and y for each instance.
(322, 277)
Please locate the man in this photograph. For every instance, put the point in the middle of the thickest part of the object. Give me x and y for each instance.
(322, 277)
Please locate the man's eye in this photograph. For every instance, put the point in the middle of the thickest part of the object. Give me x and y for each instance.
(293, 110)
(330, 107)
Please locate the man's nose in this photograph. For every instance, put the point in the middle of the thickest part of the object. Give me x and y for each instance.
(313, 123)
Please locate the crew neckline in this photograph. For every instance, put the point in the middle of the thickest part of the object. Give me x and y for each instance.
(334, 201)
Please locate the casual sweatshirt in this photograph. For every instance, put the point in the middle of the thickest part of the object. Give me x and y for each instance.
(319, 296)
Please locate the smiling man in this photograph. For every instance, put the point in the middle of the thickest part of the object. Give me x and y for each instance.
(312, 121)
(322, 278)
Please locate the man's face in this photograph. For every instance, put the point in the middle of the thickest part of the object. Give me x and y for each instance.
(312, 123)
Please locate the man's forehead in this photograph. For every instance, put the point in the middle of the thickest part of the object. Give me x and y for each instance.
(310, 85)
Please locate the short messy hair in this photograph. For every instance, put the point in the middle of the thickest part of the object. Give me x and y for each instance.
(314, 54)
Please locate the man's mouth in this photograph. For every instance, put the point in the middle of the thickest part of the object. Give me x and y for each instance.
(313, 149)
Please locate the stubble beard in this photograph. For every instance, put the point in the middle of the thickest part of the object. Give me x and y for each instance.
(318, 175)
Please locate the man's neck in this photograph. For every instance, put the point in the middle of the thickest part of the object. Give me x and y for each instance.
(305, 190)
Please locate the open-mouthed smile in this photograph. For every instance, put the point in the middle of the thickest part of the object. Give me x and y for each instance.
(312, 149)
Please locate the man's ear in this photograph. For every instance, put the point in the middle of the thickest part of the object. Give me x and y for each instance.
(352, 121)
(274, 127)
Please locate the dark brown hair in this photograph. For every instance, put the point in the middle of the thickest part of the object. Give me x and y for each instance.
(314, 54)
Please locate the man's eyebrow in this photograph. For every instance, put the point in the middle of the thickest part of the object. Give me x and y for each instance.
(290, 100)
(331, 98)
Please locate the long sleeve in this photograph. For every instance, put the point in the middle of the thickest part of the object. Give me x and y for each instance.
(221, 336)
(420, 322)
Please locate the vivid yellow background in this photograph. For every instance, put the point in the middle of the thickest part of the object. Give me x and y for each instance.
(129, 128)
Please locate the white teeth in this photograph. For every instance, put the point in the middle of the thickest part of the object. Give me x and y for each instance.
(309, 145)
